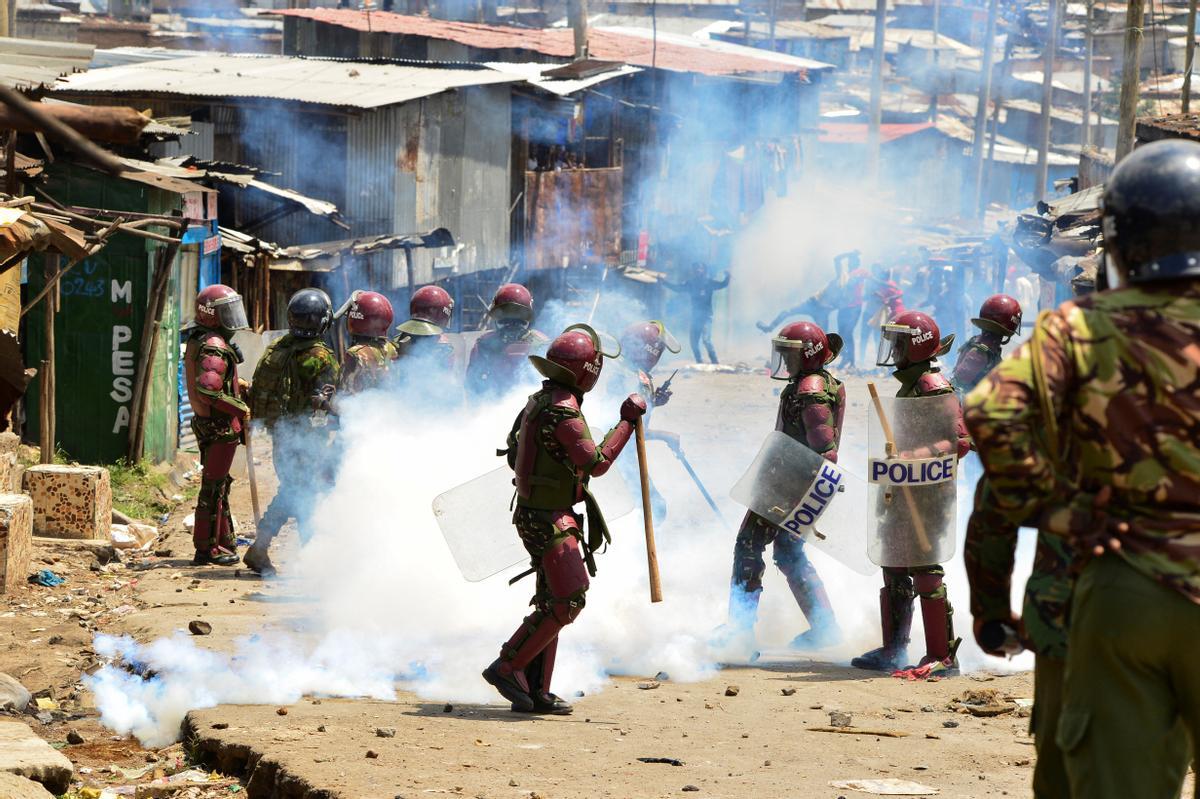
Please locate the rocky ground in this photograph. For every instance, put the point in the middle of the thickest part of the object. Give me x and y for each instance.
(783, 727)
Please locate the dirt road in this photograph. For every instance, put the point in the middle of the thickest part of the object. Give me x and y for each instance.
(760, 742)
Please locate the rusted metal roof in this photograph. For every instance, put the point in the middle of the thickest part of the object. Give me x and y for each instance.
(318, 81)
(635, 46)
(857, 132)
(1179, 126)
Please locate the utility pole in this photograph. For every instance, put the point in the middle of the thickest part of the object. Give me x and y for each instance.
(937, 74)
(1043, 162)
(1130, 73)
(873, 134)
(771, 6)
(1085, 134)
(1191, 55)
(981, 105)
(577, 13)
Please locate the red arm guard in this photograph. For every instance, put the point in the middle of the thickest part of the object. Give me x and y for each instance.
(582, 450)
(212, 373)
(820, 430)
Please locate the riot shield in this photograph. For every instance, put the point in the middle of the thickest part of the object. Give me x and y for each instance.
(797, 490)
(913, 469)
(475, 519)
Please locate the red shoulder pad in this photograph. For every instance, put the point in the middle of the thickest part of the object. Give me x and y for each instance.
(811, 384)
(562, 398)
(933, 383)
(215, 340)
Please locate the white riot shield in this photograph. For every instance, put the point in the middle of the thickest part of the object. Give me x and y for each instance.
(475, 520)
(913, 469)
(796, 489)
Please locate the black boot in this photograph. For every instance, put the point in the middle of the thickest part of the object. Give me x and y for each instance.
(896, 610)
(506, 681)
(539, 673)
(217, 556)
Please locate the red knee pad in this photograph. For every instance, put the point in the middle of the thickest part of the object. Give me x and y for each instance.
(926, 583)
(566, 573)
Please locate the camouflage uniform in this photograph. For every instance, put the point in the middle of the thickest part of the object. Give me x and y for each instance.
(285, 404)
(366, 362)
(1104, 400)
(499, 359)
(811, 408)
(989, 553)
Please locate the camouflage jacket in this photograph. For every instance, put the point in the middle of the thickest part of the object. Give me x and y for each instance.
(293, 376)
(1104, 395)
(365, 364)
(811, 408)
(988, 554)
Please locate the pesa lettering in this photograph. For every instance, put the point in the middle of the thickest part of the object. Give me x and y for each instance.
(923, 472)
(815, 501)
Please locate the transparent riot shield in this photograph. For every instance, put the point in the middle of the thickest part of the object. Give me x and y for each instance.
(912, 469)
(475, 519)
(797, 490)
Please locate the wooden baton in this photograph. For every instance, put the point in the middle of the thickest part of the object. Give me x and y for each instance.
(656, 594)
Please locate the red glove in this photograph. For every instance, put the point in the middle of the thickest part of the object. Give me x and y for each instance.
(632, 408)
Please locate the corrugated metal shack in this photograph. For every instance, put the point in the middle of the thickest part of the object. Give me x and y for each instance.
(398, 147)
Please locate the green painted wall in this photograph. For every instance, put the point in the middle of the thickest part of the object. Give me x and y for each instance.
(99, 327)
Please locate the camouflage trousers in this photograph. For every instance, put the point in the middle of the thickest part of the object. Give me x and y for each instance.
(749, 566)
(1131, 694)
(539, 532)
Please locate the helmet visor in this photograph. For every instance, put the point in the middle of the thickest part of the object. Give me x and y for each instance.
(231, 313)
(670, 342)
(785, 362)
(893, 343)
(608, 346)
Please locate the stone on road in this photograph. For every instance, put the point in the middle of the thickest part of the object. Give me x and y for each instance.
(26, 755)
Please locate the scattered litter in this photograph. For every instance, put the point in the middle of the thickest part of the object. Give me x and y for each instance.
(886, 787)
(133, 536)
(788, 691)
(862, 731)
(46, 578)
(189, 521)
(649, 686)
(46, 703)
(666, 761)
(984, 702)
(690, 788)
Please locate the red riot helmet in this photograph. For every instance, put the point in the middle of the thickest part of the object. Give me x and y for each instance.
(802, 347)
(912, 337)
(999, 314)
(429, 311)
(512, 304)
(576, 357)
(220, 307)
(644, 342)
(368, 314)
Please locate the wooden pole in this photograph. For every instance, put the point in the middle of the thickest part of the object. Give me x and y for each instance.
(1043, 162)
(1130, 75)
(577, 13)
(656, 594)
(10, 164)
(873, 131)
(1085, 134)
(47, 454)
(1191, 56)
(253, 476)
(981, 105)
(35, 116)
(148, 349)
(49, 387)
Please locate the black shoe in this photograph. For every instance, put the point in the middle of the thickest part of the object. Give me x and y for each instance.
(549, 704)
(509, 688)
(881, 659)
(214, 557)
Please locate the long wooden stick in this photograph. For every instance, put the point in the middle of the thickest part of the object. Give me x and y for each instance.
(253, 479)
(890, 449)
(656, 594)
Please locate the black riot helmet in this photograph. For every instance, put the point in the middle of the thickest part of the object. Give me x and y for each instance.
(309, 313)
(1152, 214)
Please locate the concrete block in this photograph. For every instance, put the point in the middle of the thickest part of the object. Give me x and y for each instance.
(16, 539)
(14, 787)
(70, 501)
(10, 469)
(24, 754)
